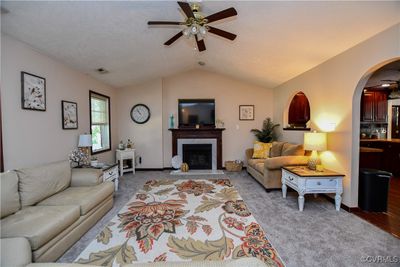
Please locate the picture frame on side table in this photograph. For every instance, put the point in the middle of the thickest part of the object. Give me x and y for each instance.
(246, 112)
(33, 92)
(69, 115)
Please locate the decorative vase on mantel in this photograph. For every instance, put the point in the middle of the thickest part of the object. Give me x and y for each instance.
(171, 121)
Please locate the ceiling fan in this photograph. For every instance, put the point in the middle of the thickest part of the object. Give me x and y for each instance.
(395, 86)
(197, 24)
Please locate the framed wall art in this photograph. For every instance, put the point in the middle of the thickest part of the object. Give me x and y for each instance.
(69, 111)
(246, 112)
(33, 92)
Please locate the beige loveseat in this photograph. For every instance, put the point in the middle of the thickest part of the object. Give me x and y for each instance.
(46, 209)
(268, 171)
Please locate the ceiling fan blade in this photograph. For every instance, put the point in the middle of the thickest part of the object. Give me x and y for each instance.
(200, 44)
(222, 33)
(186, 9)
(174, 38)
(165, 23)
(230, 12)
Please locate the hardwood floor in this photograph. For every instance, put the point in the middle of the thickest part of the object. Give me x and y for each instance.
(388, 221)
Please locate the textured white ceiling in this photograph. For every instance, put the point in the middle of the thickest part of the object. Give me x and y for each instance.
(276, 40)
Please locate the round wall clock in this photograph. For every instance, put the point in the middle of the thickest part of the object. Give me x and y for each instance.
(140, 113)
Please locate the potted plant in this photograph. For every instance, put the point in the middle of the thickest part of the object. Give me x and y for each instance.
(268, 132)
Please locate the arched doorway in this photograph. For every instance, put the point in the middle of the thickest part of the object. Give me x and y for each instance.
(371, 122)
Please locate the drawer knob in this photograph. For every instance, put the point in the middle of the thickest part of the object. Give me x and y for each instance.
(291, 178)
(318, 183)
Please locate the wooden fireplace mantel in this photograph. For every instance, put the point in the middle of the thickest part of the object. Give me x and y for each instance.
(201, 133)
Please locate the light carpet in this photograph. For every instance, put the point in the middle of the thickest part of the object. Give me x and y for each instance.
(181, 220)
(318, 236)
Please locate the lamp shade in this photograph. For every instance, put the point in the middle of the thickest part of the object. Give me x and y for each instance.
(85, 140)
(315, 141)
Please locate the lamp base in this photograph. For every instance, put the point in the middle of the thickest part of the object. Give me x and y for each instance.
(313, 161)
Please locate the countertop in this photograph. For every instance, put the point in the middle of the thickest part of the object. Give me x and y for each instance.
(370, 150)
(392, 140)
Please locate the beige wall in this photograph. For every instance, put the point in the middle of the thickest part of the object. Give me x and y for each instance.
(153, 140)
(228, 94)
(147, 137)
(330, 88)
(33, 137)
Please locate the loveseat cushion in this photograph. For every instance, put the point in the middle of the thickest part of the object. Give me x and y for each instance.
(276, 149)
(260, 167)
(253, 162)
(86, 197)
(9, 193)
(292, 150)
(38, 183)
(279, 162)
(39, 224)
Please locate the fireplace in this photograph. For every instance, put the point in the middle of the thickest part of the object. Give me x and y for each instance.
(198, 156)
(203, 137)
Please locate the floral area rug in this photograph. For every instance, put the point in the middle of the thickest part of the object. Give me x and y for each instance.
(181, 220)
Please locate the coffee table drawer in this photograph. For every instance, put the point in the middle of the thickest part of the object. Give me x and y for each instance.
(321, 183)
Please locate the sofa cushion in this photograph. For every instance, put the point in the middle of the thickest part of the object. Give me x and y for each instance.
(39, 224)
(260, 167)
(9, 193)
(86, 197)
(292, 150)
(38, 183)
(253, 162)
(9, 247)
(276, 149)
(261, 150)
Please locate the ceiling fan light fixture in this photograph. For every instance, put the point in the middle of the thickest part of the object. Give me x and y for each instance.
(386, 85)
(186, 32)
(203, 30)
(194, 29)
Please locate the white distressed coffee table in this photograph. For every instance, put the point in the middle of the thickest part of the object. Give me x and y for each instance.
(306, 181)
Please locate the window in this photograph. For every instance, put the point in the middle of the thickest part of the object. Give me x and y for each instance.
(100, 122)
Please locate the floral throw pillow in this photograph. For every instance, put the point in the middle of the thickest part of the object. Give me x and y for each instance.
(261, 150)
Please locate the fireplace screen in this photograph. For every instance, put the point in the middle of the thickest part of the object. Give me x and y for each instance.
(198, 156)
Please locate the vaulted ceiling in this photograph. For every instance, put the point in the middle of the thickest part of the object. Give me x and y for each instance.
(276, 40)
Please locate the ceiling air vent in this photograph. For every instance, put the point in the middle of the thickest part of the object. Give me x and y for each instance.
(102, 71)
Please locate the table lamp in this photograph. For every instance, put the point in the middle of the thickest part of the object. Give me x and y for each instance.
(85, 141)
(314, 142)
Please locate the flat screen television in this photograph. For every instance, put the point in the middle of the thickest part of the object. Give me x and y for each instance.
(194, 112)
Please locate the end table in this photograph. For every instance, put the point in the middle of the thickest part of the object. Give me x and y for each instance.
(110, 172)
(126, 154)
(306, 181)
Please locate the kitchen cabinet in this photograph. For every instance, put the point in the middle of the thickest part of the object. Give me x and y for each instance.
(374, 106)
(390, 156)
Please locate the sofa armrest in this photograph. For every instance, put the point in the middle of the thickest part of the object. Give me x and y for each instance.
(15, 252)
(249, 153)
(279, 162)
(86, 177)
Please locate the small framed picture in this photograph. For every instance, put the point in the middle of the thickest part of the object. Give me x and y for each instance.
(246, 112)
(69, 112)
(33, 92)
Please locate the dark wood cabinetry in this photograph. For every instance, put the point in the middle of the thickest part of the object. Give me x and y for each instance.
(390, 160)
(374, 106)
